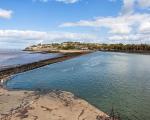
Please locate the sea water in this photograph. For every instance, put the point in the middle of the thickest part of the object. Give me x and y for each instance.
(104, 79)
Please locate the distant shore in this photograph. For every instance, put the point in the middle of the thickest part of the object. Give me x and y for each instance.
(124, 48)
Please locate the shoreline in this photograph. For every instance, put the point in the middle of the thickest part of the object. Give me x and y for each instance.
(39, 105)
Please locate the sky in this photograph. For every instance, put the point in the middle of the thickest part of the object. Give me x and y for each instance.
(27, 22)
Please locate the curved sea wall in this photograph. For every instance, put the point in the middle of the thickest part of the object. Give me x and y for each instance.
(4, 73)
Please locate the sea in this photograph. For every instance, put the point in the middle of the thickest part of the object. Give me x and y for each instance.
(11, 57)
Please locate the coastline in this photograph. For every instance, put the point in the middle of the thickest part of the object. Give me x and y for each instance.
(33, 105)
(39, 105)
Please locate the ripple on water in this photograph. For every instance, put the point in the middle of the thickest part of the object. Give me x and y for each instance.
(102, 78)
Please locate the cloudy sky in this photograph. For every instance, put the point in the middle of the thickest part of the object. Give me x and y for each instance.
(27, 22)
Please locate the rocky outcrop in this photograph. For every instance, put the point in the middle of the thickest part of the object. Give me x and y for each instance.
(46, 105)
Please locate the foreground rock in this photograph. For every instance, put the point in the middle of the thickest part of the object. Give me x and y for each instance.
(52, 105)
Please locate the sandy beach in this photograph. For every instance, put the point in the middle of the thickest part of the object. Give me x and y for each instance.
(46, 105)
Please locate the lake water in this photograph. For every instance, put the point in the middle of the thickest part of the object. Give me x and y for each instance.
(15, 57)
(104, 79)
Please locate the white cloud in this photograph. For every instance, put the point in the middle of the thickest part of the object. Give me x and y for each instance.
(45, 36)
(63, 1)
(131, 38)
(28, 37)
(145, 27)
(144, 3)
(125, 28)
(68, 1)
(118, 25)
(129, 5)
(5, 13)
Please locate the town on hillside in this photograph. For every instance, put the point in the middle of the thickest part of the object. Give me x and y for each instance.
(90, 46)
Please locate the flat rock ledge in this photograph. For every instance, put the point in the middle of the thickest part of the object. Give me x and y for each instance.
(46, 105)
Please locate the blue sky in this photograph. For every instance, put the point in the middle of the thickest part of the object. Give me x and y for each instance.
(35, 15)
(27, 22)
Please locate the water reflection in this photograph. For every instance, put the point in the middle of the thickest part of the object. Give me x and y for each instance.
(104, 79)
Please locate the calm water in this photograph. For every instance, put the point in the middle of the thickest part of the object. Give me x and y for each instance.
(15, 57)
(104, 79)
